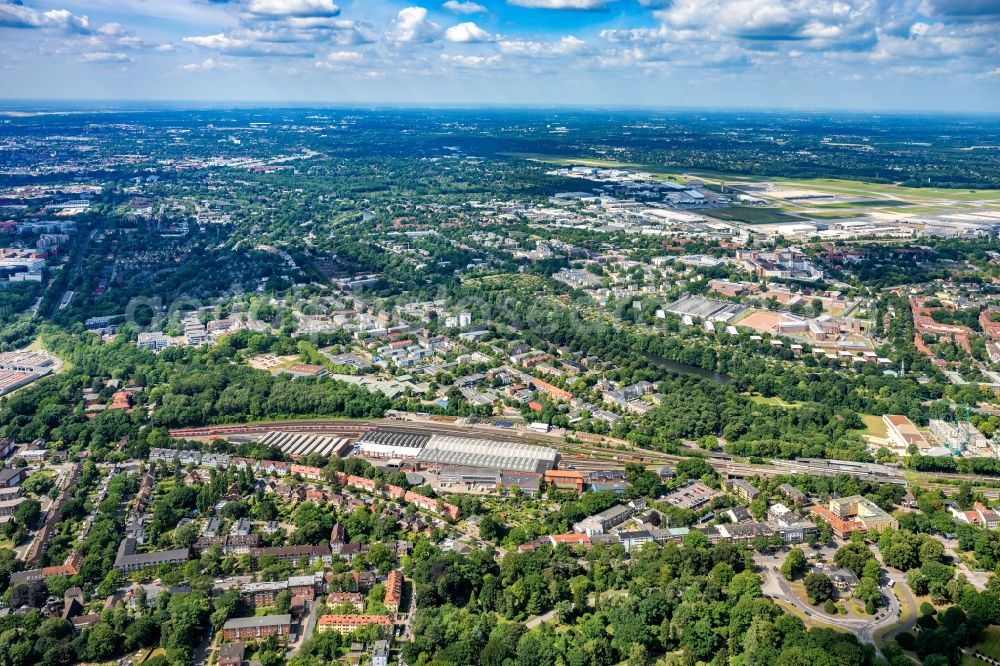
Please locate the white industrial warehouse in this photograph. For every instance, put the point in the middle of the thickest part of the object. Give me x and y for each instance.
(470, 452)
(298, 444)
(391, 444)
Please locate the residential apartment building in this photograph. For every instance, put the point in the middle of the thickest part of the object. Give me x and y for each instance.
(394, 590)
(257, 628)
(605, 520)
(355, 599)
(128, 560)
(380, 653)
(346, 624)
(742, 489)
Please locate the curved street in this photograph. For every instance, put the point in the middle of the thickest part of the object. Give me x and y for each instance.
(775, 586)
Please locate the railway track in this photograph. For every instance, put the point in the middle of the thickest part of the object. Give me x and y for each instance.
(583, 456)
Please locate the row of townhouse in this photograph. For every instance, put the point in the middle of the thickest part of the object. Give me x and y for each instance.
(313, 554)
(347, 624)
(233, 544)
(399, 494)
(781, 522)
(279, 468)
(190, 457)
(355, 599)
(981, 515)
(128, 559)
(393, 590)
(70, 567)
(257, 628)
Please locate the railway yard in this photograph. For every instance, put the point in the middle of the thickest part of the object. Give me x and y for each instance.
(299, 438)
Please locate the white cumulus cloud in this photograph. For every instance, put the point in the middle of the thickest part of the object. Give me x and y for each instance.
(568, 45)
(345, 56)
(219, 41)
(253, 45)
(467, 33)
(105, 56)
(820, 24)
(301, 8)
(340, 59)
(206, 65)
(17, 15)
(411, 25)
(456, 7)
(470, 61)
(562, 4)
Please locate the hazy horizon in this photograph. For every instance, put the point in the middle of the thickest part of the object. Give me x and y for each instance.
(868, 55)
(13, 104)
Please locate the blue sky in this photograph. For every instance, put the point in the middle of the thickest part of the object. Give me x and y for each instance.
(940, 55)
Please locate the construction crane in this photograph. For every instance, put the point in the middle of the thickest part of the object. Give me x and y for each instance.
(964, 428)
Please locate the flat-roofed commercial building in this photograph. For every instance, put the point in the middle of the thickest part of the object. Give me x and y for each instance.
(471, 452)
(473, 476)
(847, 515)
(902, 432)
(26, 361)
(692, 496)
(262, 594)
(390, 444)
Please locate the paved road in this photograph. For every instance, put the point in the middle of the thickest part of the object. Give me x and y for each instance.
(533, 622)
(231, 583)
(909, 620)
(544, 617)
(775, 586)
(410, 613)
(308, 626)
(976, 578)
(203, 649)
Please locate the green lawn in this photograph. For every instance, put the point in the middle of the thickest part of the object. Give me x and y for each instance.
(753, 215)
(864, 204)
(158, 652)
(874, 425)
(845, 215)
(859, 188)
(775, 401)
(573, 161)
(990, 645)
